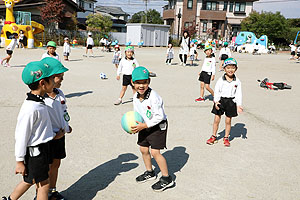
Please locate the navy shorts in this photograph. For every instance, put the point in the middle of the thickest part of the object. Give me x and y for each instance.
(205, 77)
(127, 80)
(58, 148)
(89, 46)
(227, 106)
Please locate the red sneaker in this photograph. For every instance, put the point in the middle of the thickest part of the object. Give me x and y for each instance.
(199, 99)
(226, 142)
(212, 140)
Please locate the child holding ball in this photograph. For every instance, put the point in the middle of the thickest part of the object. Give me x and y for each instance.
(152, 134)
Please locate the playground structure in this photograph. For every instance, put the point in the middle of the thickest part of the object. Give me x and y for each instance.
(246, 41)
(22, 22)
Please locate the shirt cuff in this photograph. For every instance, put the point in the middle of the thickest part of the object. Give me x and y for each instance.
(19, 159)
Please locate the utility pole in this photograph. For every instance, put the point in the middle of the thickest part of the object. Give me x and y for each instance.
(146, 4)
(179, 16)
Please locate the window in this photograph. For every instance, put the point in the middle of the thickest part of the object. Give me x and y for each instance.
(204, 27)
(90, 5)
(81, 4)
(231, 7)
(225, 5)
(190, 4)
(211, 5)
(239, 7)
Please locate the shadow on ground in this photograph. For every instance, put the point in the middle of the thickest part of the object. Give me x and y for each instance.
(237, 131)
(209, 97)
(99, 178)
(176, 159)
(77, 94)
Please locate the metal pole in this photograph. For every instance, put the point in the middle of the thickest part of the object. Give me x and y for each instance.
(179, 16)
(146, 2)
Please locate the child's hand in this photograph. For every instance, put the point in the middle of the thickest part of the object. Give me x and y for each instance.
(140, 126)
(20, 168)
(212, 77)
(118, 77)
(59, 134)
(217, 105)
(70, 129)
(199, 73)
(240, 109)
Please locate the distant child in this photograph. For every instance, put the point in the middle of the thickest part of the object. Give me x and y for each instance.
(213, 45)
(224, 54)
(9, 50)
(207, 74)
(153, 132)
(192, 53)
(67, 49)
(21, 39)
(293, 50)
(33, 132)
(51, 48)
(298, 52)
(56, 105)
(227, 99)
(126, 67)
(89, 45)
(117, 56)
(170, 54)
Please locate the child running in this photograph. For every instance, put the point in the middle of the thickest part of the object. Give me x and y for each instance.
(56, 105)
(126, 67)
(152, 133)
(207, 74)
(9, 50)
(293, 50)
(117, 56)
(67, 49)
(89, 45)
(34, 131)
(51, 48)
(224, 54)
(170, 54)
(227, 99)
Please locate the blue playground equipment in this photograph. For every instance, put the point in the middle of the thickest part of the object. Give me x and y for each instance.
(245, 37)
(295, 41)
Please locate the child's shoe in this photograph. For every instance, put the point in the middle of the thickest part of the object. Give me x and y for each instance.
(212, 140)
(1, 61)
(199, 99)
(226, 142)
(118, 102)
(7, 65)
(56, 195)
(6, 198)
(146, 176)
(169, 63)
(181, 63)
(163, 183)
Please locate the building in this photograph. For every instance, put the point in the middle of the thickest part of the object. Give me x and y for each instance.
(88, 7)
(118, 16)
(207, 18)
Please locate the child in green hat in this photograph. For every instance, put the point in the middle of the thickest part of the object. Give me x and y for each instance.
(51, 51)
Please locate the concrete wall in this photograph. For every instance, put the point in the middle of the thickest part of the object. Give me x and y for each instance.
(121, 37)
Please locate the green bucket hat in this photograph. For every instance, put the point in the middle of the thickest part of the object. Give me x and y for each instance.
(57, 65)
(230, 61)
(35, 71)
(225, 43)
(207, 48)
(140, 73)
(51, 44)
(129, 48)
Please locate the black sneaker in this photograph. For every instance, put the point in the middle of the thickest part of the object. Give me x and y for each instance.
(6, 198)
(146, 176)
(163, 183)
(56, 195)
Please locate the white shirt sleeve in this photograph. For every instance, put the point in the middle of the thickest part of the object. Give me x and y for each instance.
(119, 70)
(238, 94)
(213, 65)
(136, 63)
(22, 134)
(158, 113)
(228, 52)
(217, 90)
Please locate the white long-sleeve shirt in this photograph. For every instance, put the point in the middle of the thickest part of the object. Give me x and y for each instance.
(89, 41)
(56, 111)
(67, 48)
(33, 126)
(151, 108)
(56, 56)
(293, 47)
(126, 66)
(226, 51)
(209, 65)
(192, 50)
(232, 89)
(12, 44)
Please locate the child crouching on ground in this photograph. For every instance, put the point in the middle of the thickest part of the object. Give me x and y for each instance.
(227, 99)
(152, 133)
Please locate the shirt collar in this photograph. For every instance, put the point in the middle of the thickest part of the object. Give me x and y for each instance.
(35, 97)
(55, 90)
(147, 94)
(54, 54)
(224, 78)
(129, 58)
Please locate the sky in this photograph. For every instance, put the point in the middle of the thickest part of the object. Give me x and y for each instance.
(288, 8)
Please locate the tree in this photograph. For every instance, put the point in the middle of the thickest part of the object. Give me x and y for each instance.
(52, 12)
(274, 25)
(153, 17)
(98, 22)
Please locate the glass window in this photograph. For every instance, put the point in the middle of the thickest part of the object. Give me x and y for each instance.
(208, 5)
(190, 4)
(243, 7)
(240, 7)
(213, 6)
(225, 5)
(204, 27)
(237, 7)
(231, 7)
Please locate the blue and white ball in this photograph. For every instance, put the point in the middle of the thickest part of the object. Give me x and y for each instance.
(103, 76)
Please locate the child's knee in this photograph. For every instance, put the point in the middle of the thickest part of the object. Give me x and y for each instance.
(144, 150)
(207, 86)
(155, 152)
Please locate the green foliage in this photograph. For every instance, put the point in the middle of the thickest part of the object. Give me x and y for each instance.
(292, 34)
(294, 22)
(274, 25)
(98, 22)
(153, 17)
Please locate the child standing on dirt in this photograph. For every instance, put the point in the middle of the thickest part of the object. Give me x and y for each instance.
(51, 48)
(117, 56)
(170, 54)
(152, 134)
(9, 50)
(192, 53)
(67, 49)
(126, 66)
(207, 74)
(89, 45)
(227, 99)
(293, 50)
